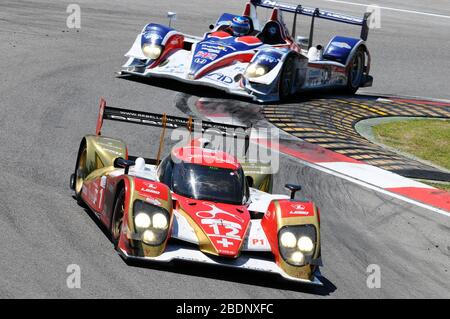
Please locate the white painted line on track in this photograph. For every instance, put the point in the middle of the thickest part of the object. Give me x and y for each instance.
(392, 9)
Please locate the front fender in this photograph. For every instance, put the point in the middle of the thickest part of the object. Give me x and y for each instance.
(157, 34)
(151, 192)
(272, 59)
(286, 213)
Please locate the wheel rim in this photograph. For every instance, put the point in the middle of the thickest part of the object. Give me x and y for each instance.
(357, 70)
(80, 172)
(118, 218)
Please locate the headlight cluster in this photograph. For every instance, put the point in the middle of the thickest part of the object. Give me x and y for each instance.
(255, 70)
(152, 51)
(151, 223)
(297, 244)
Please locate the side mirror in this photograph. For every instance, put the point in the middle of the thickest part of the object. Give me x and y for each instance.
(303, 42)
(293, 189)
(123, 163)
(172, 16)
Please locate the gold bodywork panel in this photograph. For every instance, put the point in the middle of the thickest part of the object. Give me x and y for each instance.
(102, 151)
(261, 175)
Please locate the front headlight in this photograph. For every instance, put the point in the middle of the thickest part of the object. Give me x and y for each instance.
(142, 220)
(288, 240)
(305, 244)
(255, 70)
(297, 244)
(151, 223)
(148, 237)
(152, 51)
(160, 221)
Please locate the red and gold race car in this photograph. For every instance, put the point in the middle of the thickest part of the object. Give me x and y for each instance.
(196, 204)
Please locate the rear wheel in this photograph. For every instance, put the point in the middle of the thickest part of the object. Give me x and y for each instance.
(117, 217)
(287, 78)
(356, 71)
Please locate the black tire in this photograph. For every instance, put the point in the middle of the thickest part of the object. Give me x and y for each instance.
(80, 172)
(287, 78)
(355, 73)
(117, 217)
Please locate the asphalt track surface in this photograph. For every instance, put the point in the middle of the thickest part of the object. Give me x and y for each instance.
(51, 81)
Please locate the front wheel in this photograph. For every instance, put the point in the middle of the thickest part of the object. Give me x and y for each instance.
(77, 179)
(117, 217)
(287, 78)
(355, 73)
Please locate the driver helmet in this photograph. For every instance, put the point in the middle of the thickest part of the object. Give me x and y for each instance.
(240, 26)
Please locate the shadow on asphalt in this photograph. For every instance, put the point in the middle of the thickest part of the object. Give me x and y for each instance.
(241, 276)
(209, 92)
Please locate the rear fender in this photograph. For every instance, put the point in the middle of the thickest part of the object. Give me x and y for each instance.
(285, 213)
(260, 175)
(342, 49)
(101, 152)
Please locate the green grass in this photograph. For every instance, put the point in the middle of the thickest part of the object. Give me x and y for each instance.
(424, 138)
(445, 187)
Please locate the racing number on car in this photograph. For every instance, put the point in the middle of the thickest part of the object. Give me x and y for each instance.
(232, 228)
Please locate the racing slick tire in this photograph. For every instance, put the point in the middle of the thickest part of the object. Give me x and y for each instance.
(76, 179)
(355, 73)
(287, 78)
(117, 217)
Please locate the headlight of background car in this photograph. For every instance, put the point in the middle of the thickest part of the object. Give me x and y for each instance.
(151, 223)
(152, 51)
(255, 70)
(297, 244)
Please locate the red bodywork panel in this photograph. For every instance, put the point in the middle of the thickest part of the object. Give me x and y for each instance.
(224, 224)
(295, 209)
(152, 191)
(173, 44)
(241, 57)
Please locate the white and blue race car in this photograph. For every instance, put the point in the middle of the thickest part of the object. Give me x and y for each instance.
(263, 62)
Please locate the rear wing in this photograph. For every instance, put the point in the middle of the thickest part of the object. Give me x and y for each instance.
(316, 13)
(164, 121)
(167, 121)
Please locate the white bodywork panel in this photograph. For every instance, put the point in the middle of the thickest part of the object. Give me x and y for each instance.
(178, 252)
(178, 67)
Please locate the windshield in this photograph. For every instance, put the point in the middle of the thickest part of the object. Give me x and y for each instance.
(208, 183)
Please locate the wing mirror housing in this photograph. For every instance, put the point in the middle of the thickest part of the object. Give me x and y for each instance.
(303, 42)
(123, 163)
(172, 17)
(293, 189)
